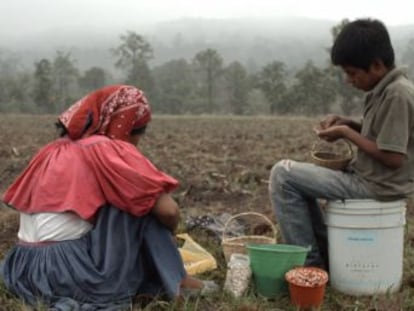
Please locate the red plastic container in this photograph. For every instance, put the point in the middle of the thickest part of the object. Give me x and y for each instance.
(307, 286)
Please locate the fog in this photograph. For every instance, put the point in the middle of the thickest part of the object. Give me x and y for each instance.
(79, 42)
(257, 31)
(20, 17)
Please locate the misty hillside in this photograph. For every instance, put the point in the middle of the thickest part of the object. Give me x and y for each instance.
(254, 42)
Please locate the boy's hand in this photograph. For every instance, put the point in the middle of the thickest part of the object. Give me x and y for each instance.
(330, 120)
(333, 119)
(332, 132)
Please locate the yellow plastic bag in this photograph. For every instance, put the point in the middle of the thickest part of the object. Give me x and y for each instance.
(196, 259)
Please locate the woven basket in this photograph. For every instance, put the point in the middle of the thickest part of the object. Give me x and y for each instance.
(238, 244)
(331, 159)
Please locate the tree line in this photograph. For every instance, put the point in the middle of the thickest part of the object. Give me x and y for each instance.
(204, 84)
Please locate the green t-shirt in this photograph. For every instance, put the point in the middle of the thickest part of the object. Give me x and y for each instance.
(388, 119)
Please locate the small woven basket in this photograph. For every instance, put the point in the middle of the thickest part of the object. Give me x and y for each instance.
(331, 159)
(238, 244)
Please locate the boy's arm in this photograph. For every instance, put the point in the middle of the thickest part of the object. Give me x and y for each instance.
(333, 119)
(356, 126)
(388, 158)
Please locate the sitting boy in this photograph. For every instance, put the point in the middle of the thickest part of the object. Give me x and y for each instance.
(384, 165)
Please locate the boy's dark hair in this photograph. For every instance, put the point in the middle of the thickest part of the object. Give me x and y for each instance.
(361, 42)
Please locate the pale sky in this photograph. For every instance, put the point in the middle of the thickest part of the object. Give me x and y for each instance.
(22, 16)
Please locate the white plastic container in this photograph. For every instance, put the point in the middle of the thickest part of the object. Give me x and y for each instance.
(366, 243)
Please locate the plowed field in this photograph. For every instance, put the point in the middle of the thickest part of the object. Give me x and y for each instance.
(222, 164)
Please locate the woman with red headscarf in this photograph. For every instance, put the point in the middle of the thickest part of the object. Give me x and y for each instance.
(96, 216)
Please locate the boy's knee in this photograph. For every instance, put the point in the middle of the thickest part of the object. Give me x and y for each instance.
(279, 172)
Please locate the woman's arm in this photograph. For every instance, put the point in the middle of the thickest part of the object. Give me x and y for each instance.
(167, 211)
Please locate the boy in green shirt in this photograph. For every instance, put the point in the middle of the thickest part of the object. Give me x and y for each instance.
(383, 168)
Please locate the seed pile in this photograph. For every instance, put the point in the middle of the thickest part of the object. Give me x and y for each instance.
(307, 277)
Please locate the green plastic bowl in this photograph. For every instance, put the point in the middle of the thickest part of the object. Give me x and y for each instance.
(270, 262)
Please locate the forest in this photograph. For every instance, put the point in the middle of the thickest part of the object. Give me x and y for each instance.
(202, 83)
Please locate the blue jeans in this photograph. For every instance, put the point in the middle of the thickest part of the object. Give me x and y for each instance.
(294, 189)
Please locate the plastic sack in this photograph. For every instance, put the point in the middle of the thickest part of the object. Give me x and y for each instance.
(238, 274)
(196, 259)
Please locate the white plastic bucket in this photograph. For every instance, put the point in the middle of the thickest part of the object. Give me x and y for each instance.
(365, 245)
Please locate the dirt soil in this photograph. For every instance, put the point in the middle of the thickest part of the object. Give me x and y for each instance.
(222, 164)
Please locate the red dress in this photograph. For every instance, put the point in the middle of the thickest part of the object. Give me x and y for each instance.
(83, 175)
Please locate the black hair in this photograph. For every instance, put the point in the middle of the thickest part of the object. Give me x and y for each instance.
(63, 131)
(61, 128)
(360, 43)
(139, 131)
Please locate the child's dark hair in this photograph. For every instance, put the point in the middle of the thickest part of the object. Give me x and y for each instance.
(139, 131)
(361, 42)
(62, 130)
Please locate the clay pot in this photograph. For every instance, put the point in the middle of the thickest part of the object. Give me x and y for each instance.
(307, 287)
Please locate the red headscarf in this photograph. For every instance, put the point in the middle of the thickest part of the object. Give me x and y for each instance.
(112, 111)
